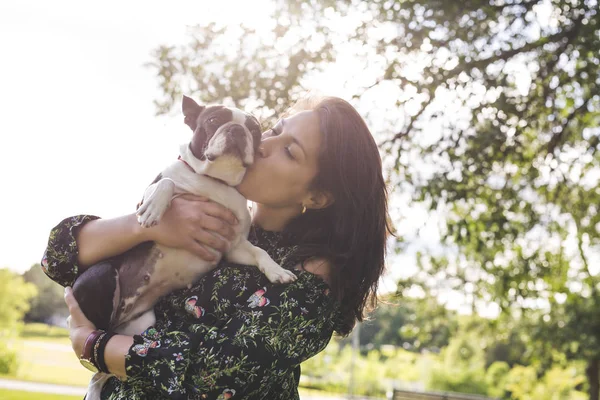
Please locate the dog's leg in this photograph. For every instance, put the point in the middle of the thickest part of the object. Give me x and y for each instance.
(156, 201)
(247, 254)
(97, 291)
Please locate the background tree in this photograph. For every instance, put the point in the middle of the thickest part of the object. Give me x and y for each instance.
(15, 294)
(494, 118)
(518, 177)
(49, 301)
(415, 324)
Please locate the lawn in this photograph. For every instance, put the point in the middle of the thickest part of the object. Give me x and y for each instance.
(18, 395)
(45, 355)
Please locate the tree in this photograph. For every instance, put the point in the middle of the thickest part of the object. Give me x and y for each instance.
(415, 324)
(15, 294)
(509, 89)
(49, 301)
(518, 176)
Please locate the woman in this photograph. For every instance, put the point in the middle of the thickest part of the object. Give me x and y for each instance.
(320, 211)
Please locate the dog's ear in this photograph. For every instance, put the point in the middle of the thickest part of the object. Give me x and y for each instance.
(191, 111)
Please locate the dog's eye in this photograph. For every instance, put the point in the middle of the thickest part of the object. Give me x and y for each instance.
(213, 121)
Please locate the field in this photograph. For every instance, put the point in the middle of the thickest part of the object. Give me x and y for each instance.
(46, 356)
(18, 395)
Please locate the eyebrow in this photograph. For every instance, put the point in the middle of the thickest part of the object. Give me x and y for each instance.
(296, 141)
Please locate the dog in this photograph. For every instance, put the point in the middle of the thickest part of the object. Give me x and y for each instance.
(119, 294)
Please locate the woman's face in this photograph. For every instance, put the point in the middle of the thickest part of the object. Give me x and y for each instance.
(286, 163)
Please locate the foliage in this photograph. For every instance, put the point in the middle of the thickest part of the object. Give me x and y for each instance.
(462, 366)
(245, 67)
(374, 372)
(459, 368)
(49, 300)
(557, 384)
(8, 358)
(412, 323)
(15, 294)
(517, 176)
(495, 378)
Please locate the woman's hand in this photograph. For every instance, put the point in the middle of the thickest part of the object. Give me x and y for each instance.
(79, 326)
(196, 224)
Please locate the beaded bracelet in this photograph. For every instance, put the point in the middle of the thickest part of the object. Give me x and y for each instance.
(102, 342)
(95, 351)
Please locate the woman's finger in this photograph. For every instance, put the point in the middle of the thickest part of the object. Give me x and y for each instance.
(201, 251)
(219, 211)
(77, 316)
(219, 226)
(209, 239)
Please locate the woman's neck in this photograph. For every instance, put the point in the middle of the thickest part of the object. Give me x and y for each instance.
(272, 219)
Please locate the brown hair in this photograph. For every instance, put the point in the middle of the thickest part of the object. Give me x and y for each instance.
(351, 233)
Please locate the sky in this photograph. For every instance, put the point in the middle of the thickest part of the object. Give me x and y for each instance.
(77, 128)
(78, 131)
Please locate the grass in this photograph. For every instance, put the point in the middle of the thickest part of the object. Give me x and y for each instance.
(305, 392)
(45, 356)
(19, 395)
(37, 330)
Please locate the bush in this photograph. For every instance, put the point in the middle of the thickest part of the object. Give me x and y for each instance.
(8, 359)
(458, 380)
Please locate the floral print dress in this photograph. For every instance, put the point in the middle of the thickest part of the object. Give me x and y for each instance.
(232, 335)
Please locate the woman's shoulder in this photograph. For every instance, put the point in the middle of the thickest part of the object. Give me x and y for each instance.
(319, 267)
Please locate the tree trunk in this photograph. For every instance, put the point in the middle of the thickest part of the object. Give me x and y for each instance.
(592, 371)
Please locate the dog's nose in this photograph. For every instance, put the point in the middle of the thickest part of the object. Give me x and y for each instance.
(239, 137)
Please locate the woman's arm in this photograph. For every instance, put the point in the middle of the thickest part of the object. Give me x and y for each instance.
(100, 239)
(191, 222)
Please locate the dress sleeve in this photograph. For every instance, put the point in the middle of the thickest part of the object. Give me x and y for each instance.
(60, 257)
(257, 347)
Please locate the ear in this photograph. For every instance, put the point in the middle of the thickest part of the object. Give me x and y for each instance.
(191, 111)
(318, 200)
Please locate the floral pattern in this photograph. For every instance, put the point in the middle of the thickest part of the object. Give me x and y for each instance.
(232, 335)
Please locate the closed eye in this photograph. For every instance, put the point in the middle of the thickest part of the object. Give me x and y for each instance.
(289, 153)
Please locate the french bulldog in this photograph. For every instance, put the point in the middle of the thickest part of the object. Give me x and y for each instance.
(119, 294)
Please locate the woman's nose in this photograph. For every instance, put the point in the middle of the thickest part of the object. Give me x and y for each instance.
(265, 147)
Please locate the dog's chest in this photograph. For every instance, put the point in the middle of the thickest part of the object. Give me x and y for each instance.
(177, 268)
(169, 269)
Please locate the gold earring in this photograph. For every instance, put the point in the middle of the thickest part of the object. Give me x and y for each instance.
(303, 209)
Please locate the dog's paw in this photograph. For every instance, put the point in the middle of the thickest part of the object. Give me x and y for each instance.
(149, 214)
(156, 201)
(145, 223)
(280, 275)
